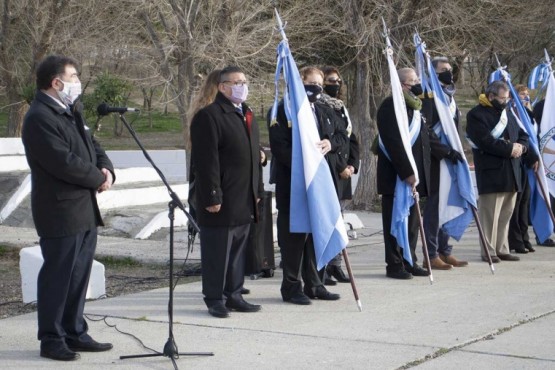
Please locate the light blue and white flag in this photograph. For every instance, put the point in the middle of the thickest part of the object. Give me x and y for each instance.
(403, 198)
(539, 213)
(314, 203)
(539, 78)
(547, 126)
(456, 193)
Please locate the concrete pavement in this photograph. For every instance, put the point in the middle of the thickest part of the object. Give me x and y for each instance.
(468, 319)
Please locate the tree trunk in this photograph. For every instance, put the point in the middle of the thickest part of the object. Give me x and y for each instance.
(16, 113)
(365, 129)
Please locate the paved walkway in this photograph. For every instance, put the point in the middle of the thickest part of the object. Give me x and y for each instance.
(468, 319)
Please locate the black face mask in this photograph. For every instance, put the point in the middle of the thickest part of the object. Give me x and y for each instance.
(445, 77)
(313, 92)
(498, 106)
(416, 89)
(332, 90)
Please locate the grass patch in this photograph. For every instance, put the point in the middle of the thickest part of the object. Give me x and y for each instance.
(111, 261)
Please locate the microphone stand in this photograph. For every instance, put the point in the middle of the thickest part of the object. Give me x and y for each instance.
(170, 348)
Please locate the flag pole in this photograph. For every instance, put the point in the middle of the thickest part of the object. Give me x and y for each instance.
(482, 238)
(281, 28)
(423, 236)
(352, 277)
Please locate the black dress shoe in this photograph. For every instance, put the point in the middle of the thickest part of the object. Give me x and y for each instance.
(241, 305)
(88, 346)
(298, 298)
(321, 293)
(337, 273)
(401, 275)
(329, 282)
(508, 257)
(547, 243)
(245, 291)
(218, 310)
(417, 270)
(521, 250)
(57, 351)
(529, 247)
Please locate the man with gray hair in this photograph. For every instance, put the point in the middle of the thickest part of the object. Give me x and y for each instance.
(497, 143)
(393, 163)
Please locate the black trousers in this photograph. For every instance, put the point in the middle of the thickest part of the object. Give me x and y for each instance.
(518, 226)
(298, 259)
(223, 262)
(393, 252)
(62, 286)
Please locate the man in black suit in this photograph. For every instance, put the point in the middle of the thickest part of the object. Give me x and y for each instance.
(68, 167)
(398, 165)
(226, 161)
(497, 144)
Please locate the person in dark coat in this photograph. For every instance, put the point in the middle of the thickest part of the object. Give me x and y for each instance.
(297, 249)
(399, 166)
(437, 240)
(68, 167)
(348, 158)
(498, 143)
(519, 240)
(226, 160)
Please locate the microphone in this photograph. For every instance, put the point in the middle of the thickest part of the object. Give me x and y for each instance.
(104, 109)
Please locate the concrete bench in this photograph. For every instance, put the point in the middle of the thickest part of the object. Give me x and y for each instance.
(30, 263)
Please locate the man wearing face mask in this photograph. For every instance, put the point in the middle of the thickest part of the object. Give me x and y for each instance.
(519, 240)
(393, 163)
(297, 249)
(68, 167)
(437, 240)
(497, 144)
(226, 158)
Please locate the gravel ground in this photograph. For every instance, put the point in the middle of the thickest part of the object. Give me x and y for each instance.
(123, 276)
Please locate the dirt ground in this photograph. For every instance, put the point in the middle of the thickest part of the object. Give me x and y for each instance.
(122, 277)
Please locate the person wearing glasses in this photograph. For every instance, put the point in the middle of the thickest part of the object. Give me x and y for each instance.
(497, 145)
(225, 159)
(297, 249)
(347, 158)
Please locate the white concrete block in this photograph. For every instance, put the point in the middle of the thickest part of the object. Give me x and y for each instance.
(10, 163)
(172, 163)
(17, 197)
(11, 146)
(30, 263)
(353, 219)
(141, 196)
(162, 220)
(136, 174)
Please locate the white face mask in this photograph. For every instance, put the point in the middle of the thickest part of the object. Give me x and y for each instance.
(70, 92)
(239, 93)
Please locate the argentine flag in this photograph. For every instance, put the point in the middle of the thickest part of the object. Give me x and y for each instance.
(403, 198)
(314, 203)
(456, 193)
(539, 213)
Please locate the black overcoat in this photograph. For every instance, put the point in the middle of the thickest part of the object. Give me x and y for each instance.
(399, 165)
(281, 144)
(226, 160)
(65, 162)
(496, 171)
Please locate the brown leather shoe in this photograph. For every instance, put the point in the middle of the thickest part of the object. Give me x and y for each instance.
(453, 261)
(508, 257)
(437, 264)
